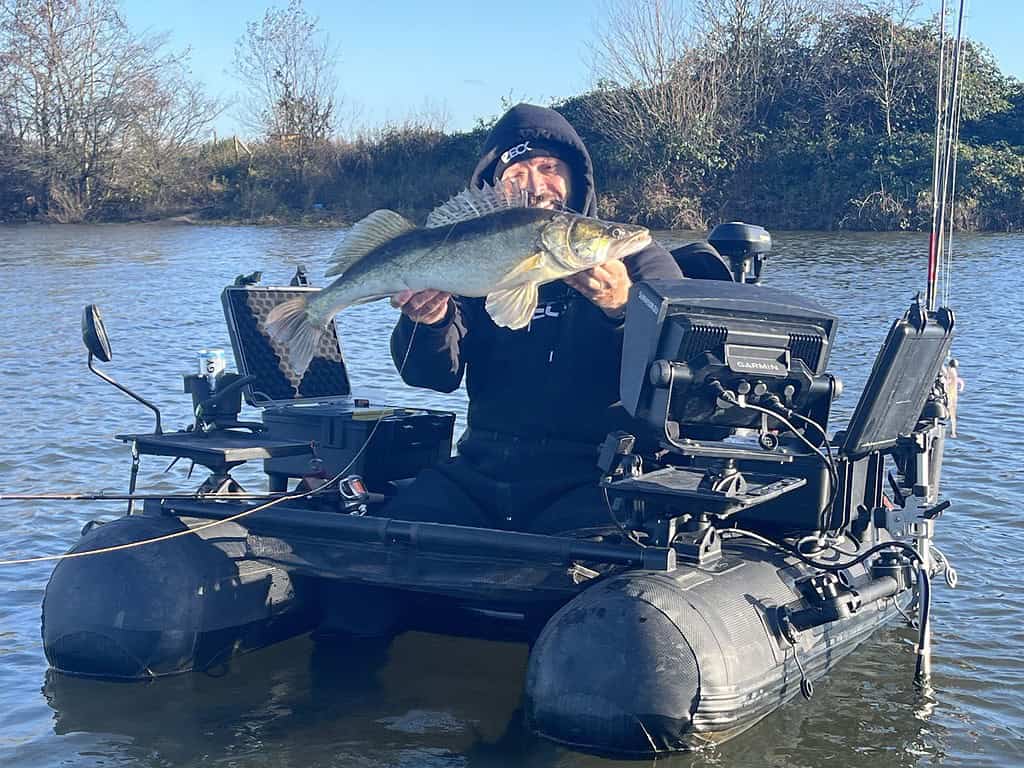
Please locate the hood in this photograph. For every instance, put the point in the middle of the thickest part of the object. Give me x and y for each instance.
(526, 122)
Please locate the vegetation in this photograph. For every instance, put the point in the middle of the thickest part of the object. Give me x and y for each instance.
(790, 113)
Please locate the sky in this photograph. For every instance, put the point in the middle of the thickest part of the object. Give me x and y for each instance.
(403, 58)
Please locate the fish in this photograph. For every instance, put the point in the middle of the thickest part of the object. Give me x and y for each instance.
(482, 242)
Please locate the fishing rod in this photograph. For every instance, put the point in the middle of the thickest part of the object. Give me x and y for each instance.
(957, 105)
(937, 151)
(946, 139)
(268, 500)
(102, 496)
(948, 97)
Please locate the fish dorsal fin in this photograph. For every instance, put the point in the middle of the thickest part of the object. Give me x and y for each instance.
(474, 203)
(366, 234)
(512, 308)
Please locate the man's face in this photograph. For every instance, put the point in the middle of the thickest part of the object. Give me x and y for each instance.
(546, 179)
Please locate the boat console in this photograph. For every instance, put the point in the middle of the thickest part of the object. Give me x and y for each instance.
(733, 378)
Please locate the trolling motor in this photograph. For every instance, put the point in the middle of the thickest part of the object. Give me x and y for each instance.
(746, 246)
(733, 252)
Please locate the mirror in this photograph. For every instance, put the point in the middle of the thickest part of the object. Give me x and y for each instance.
(94, 335)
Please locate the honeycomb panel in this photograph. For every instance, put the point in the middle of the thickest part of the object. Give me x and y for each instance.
(265, 358)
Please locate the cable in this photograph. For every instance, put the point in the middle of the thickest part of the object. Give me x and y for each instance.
(828, 461)
(831, 461)
(911, 622)
(825, 542)
(833, 568)
(630, 534)
(923, 585)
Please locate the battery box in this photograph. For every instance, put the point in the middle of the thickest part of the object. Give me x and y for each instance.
(379, 443)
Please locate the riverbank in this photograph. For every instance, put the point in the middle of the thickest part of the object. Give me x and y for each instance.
(860, 183)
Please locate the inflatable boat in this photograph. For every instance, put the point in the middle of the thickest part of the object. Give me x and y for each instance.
(743, 558)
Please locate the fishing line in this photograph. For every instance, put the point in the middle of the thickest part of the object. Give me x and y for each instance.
(245, 513)
(231, 518)
(134, 496)
(205, 526)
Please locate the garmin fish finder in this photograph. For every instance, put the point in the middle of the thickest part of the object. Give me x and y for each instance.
(696, 352)
(732, 377)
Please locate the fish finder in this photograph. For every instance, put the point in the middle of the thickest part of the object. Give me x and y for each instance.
(709, 364)
(696, 351)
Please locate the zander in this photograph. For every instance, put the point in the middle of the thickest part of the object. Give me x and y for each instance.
(484, 242)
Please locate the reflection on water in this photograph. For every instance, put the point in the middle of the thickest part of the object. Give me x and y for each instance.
(446, 701)
(428, 700)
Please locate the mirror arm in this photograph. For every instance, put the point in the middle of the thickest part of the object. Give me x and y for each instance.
(153, 408)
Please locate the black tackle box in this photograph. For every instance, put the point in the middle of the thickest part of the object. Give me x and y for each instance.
(379, 443)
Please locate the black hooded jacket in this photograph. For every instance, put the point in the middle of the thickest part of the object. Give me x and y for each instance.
(558, 378)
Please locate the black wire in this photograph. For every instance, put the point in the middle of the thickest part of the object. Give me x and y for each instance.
(833, 472)
(828, 461)
(907, 548)
(630, 534)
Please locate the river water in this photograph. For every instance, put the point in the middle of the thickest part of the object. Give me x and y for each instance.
(435, 701)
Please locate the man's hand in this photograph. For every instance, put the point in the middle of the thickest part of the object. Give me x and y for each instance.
(427, 307)
(607, 285)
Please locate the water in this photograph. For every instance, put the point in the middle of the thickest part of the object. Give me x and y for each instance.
(435, 701)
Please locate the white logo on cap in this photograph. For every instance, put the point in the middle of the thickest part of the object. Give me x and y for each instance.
(516, 151)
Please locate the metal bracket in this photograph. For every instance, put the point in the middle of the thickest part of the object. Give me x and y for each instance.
(699, 547)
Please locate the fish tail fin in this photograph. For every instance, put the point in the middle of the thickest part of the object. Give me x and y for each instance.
(289, 324)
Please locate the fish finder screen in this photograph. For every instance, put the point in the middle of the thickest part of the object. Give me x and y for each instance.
(687, 341)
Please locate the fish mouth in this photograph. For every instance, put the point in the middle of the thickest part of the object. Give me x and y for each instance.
(635, 242)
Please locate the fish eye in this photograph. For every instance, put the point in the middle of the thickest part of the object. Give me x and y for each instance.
(618, 232)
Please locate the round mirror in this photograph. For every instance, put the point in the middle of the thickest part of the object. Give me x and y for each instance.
(94, 334)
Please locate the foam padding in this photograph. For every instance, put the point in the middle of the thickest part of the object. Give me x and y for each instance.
(246, 309)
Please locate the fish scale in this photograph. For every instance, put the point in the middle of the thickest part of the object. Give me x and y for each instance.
(480, 243)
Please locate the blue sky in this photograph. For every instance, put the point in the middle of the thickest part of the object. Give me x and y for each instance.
(401, 57)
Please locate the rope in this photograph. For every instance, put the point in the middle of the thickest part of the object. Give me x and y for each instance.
(245, 513)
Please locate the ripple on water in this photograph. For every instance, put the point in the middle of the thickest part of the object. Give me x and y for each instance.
(453, 702)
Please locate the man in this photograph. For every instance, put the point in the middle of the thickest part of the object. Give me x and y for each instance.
(542, 398)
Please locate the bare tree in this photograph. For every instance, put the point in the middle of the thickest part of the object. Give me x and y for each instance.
(712, 67)
(640, 63)
(288, 65)
(877, 67)
(687, 90)
(888, 22)
(164, 138)
(78, 83)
